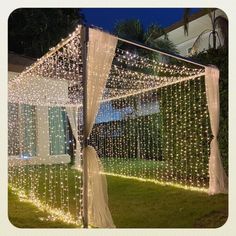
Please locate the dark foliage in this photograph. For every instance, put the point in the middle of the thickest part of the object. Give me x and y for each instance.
(32, 31)
(132, 138)
(133, 30)
(219, 57)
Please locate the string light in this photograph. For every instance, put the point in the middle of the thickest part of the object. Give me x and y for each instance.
(179, 128)
(152, 125)
(54, 214)
(158, 182)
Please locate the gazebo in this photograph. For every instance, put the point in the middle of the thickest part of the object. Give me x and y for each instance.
(140, 112)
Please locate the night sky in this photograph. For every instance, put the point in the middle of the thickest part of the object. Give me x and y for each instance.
(105, 18)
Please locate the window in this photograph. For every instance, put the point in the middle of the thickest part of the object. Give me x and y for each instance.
(21, 130)
(57, 130)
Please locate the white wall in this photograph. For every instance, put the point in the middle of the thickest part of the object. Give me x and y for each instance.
(185, 47)
(42, 124)
(196, 27)
(57, 159)
(38, 90)
(148, 108)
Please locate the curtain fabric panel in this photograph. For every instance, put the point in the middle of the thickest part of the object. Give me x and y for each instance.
(218, 180)
(101, 51)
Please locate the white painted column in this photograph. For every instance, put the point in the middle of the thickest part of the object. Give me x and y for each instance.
(43, 145)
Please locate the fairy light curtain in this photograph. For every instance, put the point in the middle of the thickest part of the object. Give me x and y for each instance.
(119, 86)
(159, 132)
(28, 137)
(13, 129)
(101, 51)
(72, 113)
(57, 126)
(116, 77)
(48, 87)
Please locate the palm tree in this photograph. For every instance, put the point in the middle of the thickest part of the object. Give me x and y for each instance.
(133, 30)
(219, 22)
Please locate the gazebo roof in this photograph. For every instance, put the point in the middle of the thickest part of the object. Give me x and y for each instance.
(56, 78)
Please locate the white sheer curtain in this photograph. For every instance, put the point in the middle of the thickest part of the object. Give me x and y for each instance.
(101, 51)
(218, 180)
(72, 114)
(99, 214)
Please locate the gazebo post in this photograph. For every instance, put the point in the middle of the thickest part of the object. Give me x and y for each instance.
(84, 41)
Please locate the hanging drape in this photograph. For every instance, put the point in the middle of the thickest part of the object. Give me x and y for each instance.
(101, 51)
(218, 180)
(99, 214)
(72, 114)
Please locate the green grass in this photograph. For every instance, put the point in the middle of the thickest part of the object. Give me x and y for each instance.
(53, 184)
(165, 171)
(133, 167)
(136, 204)
(26, 215)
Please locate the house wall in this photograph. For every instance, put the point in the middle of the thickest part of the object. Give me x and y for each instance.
(185, 42)
(42, 142)
(148, 108)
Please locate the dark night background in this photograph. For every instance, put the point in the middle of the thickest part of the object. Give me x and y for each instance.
(107, 17)
(32, 31)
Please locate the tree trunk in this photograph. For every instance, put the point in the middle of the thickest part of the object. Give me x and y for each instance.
(214, 39)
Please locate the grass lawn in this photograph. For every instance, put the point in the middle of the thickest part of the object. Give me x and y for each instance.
(136, 204)
(25, 215)
(157, 170)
